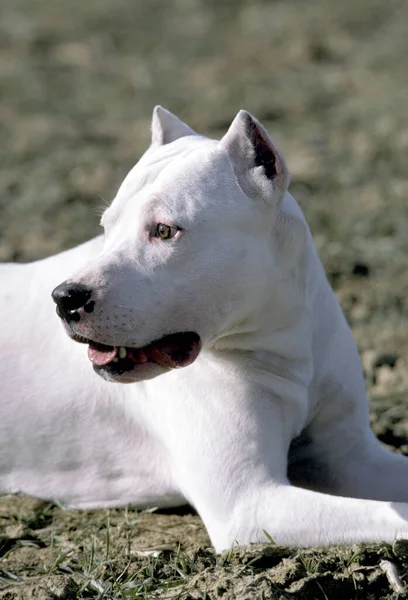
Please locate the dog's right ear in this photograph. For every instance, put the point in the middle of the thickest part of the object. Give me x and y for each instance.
(167, 128)
(257, 163)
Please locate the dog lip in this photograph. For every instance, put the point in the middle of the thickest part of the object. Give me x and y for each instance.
(172, 351)
(78, 338)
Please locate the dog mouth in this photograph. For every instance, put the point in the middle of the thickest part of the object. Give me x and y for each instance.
(172, 351)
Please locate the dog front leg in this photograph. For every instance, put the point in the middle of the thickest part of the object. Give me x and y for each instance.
(229, 455)
(298, 517)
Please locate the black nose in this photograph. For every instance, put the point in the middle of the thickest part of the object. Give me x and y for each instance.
(69, 297)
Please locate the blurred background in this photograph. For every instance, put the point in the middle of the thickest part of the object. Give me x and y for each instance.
(79, 79)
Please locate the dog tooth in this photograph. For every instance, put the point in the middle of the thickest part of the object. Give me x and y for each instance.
(115, 360)
(122, 352)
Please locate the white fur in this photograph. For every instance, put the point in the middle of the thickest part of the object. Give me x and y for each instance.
(268, 430)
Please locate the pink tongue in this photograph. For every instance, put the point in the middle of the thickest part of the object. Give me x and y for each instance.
(100, 355)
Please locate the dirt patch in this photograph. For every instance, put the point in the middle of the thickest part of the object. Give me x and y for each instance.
(130, 554)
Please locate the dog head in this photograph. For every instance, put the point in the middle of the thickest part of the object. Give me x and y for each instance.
(197, 250)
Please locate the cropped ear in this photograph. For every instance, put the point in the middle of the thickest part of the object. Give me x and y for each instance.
(258, 165)
(167, 128)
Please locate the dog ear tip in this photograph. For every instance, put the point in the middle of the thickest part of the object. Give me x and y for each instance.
(166, 127)
(159, 110)
(245, 116)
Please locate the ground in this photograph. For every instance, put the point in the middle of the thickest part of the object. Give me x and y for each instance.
(329, 79)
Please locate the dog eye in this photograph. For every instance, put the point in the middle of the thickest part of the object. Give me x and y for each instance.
(165, 232)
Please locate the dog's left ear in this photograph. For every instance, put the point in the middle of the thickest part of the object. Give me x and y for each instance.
(258, 165)
(167, 128)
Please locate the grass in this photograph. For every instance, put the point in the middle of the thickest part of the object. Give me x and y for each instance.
(105, 554)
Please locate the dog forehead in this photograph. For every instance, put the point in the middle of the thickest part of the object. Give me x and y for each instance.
(193, 170)
(205, 173)
(159, 159)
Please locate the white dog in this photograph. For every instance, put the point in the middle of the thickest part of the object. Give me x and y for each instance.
(206, 263)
